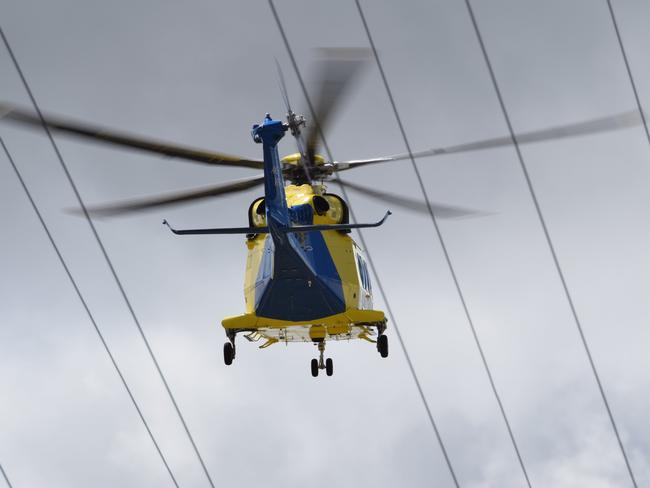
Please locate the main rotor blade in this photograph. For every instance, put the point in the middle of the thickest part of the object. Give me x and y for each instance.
(283, 86)
(336, 68)
(604, 124)
(439, 210)
(91, 132)
(147, 203)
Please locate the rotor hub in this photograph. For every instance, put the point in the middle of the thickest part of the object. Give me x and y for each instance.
(295, 122)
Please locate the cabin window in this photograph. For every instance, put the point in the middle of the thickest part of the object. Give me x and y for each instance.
(363, 273)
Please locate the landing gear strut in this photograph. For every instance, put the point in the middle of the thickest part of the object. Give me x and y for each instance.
(321, 363)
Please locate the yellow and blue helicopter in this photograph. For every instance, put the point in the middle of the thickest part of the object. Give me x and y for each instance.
(306, 279)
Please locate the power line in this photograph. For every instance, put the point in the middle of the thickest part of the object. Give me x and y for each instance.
(88, 312)
(4, 475)
(370, 261)
(629, 70)
(443, 246)
(547, 235)
(105, 254)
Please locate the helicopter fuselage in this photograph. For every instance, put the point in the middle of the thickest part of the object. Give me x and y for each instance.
(302, 286)
(311, 277)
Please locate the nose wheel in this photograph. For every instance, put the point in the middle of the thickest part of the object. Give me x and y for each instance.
(329, 366)
(321, 363)
(314, 367)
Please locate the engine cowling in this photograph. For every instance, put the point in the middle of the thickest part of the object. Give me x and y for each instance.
(337, 210)
(257, 213)
(329, 206)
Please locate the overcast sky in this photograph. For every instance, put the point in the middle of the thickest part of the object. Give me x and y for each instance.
(200, 73)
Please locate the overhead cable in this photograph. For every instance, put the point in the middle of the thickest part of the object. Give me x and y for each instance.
(443, 245)
(88, 312)
(4, 475)
(547, 236)
(369, 257)
(628, 69)
(109, 263)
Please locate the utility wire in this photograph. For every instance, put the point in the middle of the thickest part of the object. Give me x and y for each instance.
(105, 254)
(4, 475)
(370, 261)
(629, 70)
(88, 312)
(443, 245)
(547, 235)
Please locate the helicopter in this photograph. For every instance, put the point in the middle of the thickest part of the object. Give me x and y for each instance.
(306, 279)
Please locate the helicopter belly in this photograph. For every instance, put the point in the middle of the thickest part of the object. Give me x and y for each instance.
(352, 324)
(298, 281)
(281, 295)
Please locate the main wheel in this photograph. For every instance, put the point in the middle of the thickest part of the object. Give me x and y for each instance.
(228, 353)
(382, 345)
(314, 367)
(329, 366)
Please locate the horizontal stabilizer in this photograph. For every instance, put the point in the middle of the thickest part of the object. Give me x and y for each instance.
(265, 230)
(223, 230)
(306, 228)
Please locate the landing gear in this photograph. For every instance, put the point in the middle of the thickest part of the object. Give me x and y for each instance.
(382, 345)
(228, 353)
(314, 367)
(329, 366)
(321, 363)
(229, 348)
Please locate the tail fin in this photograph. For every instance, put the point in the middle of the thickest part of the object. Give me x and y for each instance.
(269, 134)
